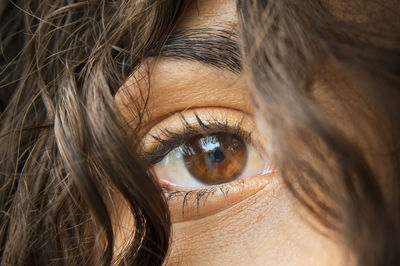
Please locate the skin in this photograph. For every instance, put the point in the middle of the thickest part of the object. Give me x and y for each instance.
(259, 223)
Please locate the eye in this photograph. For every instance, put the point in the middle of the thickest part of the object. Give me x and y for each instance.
(207, 160)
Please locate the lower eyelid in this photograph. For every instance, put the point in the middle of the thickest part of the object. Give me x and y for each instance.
(196, 204)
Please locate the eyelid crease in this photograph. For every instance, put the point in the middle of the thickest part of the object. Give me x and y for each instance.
(159, 120)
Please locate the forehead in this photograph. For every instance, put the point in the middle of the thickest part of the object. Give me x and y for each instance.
(363, 11)
(358, 11)
(375, 16)
(209, 13)
(375, 21)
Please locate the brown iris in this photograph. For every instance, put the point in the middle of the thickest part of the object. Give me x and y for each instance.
(216, 158)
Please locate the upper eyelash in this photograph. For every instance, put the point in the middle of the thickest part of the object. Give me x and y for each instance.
(168, 140)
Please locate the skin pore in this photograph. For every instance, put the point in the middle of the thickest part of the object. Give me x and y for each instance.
(250, 221)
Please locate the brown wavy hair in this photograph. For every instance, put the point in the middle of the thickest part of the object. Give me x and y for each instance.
(289, 46)
(64, 151)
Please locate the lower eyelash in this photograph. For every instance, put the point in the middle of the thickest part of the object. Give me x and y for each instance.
(199, 195)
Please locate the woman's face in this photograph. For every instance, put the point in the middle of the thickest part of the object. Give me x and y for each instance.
(228, 203)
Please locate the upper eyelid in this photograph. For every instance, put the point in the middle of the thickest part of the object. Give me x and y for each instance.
(154, 122)
(167, 140)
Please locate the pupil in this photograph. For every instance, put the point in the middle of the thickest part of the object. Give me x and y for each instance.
(216, 156)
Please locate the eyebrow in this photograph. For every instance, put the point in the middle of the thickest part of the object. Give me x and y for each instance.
(212, 46)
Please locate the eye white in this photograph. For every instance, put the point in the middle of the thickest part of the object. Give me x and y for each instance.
(172, 170)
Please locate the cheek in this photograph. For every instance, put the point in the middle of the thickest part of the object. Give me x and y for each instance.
(265, 229)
